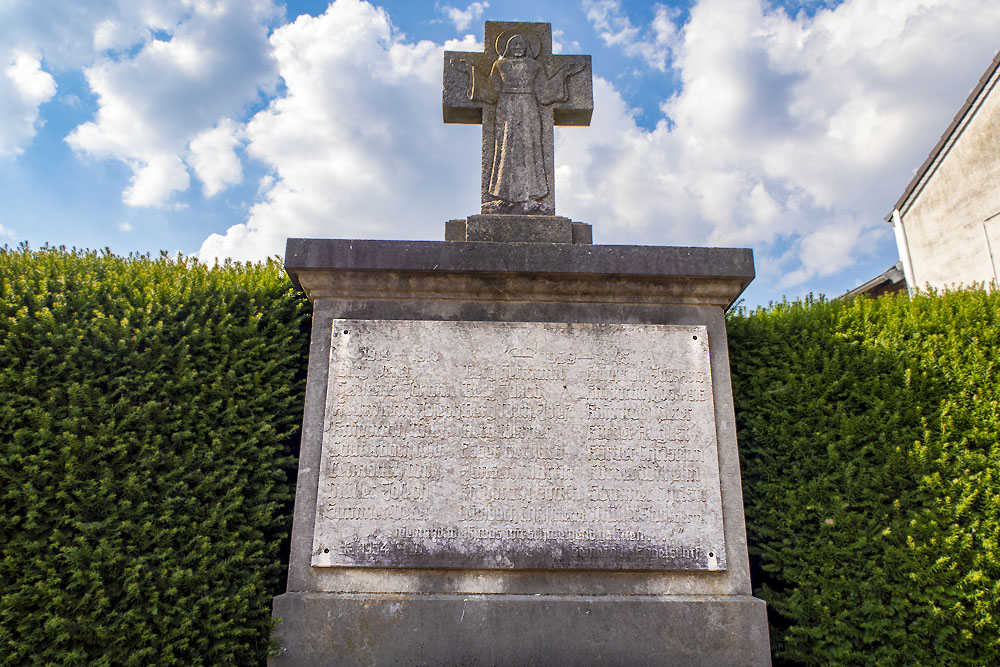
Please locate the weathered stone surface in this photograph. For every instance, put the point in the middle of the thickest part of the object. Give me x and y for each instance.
(519, 445)
(520, 630)
(583, 233)
(476, 616)
(518, 90)
(556, 272)
(524, 282)
(518, 229)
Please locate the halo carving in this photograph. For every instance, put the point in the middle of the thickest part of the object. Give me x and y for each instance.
(534, 44)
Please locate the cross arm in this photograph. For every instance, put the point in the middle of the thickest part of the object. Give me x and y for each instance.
(578, 106)
(456, 105)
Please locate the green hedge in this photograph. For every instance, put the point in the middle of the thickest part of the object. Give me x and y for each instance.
(147, 413)
(869, 435)
(147, 417)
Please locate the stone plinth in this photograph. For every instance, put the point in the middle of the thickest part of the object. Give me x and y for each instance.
(519, 630)
(386, 567)
(518, 229)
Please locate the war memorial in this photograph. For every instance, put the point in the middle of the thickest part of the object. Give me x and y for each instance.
(518, 447)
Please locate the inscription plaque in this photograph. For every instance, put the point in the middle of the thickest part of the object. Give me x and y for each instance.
(519, 445)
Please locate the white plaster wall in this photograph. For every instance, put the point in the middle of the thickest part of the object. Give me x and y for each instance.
(944, 221)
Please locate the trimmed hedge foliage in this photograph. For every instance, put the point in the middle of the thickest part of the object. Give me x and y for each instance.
(870, 442)
(146, 411)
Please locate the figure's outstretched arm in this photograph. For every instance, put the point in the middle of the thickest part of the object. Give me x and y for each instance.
(564, 71)
(479, 88)
(460, 65)
(553, 88)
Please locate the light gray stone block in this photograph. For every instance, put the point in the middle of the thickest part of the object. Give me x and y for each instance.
(518, 229)
(583, 233)
(317, 629)
(387, 614)
(562, 274)
(519, 445)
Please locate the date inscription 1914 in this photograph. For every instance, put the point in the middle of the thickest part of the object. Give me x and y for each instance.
(519, 445)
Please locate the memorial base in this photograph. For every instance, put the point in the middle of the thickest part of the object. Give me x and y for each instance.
(366, 629)
(384, 605)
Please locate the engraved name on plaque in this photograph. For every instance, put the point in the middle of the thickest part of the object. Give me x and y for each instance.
(519, 445)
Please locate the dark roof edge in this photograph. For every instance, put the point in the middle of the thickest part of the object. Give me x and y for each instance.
(943, 141)
(893, 275)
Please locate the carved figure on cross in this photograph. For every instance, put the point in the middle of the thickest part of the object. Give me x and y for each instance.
(517, 89)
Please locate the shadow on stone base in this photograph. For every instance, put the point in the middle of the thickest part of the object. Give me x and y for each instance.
(441, 629)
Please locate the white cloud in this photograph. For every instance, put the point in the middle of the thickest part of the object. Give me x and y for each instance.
(7, 233)
(158, 106)
(652, 44)
(356, 142)
(24, 86)
(463, 18)
(69, 34)
(788, 132)
(214, 159)
(559, 46)
(154, 178)
(826, 250)
(786, 136)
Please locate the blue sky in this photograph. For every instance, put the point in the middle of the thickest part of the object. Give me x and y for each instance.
(221, 127)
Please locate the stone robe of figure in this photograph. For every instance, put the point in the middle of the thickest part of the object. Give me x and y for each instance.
(518, 85)
(518, 168)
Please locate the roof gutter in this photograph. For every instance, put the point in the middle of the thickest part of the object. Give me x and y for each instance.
(903, 247)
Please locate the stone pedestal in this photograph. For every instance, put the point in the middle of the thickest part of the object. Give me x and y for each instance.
(656, 605)
(518, 229)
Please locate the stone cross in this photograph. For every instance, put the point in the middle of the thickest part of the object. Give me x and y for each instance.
(517, 90)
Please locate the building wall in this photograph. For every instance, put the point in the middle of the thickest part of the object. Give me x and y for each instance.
(949, 220)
